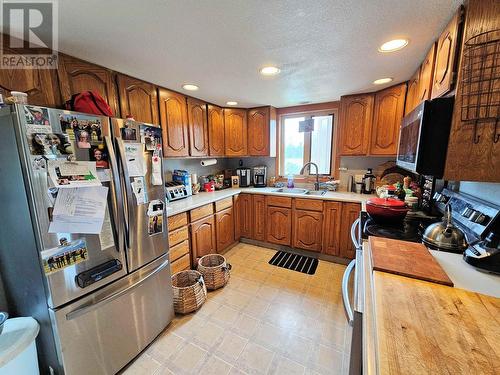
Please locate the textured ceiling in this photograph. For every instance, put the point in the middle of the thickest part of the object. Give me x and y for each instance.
(325, 48)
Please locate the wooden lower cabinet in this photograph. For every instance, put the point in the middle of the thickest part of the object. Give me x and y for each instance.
(203, 239)
(178, 242)
(246, 222)
(224, 226)
(350, 212)
(259, 217)
(279, 225)
(331, 228)
(237, 217)
(308, 228)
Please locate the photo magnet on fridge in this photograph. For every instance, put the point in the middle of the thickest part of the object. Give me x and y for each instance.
(66, 255)
(82, 129)
(155, 224)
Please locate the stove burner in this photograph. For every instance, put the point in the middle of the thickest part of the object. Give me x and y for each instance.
(401, 232)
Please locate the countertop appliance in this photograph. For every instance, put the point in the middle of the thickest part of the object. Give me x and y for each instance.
(175, 190)
(244, 175)
(260, 176)
(423, 137)
(120, 285)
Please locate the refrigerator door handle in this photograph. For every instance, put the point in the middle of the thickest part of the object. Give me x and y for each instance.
(116, 188)
(85, 309)
(126, 187)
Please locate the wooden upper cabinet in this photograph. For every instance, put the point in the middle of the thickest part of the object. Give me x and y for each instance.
(246, 215)
(235, 132)
(198, 128)
(446, 52)
(224, 225)
(331, 228)
(308, 228)
(350, 212)
(258, 131)
(279, 225)
(426, 76)
(355, 124)
(412, 93)
(259, 217)
(215, 130)
(174, 123)
(388, 112)
(76, 76)
(138, 98)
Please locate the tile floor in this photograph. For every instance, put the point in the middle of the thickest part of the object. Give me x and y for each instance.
(266, 320)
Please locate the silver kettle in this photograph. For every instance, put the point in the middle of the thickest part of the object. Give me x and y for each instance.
(445, 236)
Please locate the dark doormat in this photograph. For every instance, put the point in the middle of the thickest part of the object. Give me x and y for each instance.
(295, 262)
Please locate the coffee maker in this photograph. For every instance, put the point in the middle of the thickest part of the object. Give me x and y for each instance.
(260, 176)
(244, 175)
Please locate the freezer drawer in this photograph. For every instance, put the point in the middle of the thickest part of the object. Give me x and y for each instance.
(103, 332)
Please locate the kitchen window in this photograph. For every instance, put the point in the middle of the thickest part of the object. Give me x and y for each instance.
(298, 148)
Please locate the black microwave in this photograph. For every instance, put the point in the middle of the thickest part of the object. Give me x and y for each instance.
(423, 137)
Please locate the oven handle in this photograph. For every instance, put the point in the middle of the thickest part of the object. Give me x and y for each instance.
(345, 292)
(354, 239)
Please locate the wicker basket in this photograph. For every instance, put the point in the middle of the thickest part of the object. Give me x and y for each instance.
(215, 270)
(190, 291)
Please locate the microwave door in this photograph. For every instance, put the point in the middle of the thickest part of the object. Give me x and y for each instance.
(73, 263)
(144, 202)
(409, 140)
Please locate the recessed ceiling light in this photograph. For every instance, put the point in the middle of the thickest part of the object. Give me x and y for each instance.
(270, 71)
(381, 81)
(393, 45)
(232, 103)
(190, 87)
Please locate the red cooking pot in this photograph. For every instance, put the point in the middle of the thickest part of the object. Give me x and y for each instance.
(386, 210)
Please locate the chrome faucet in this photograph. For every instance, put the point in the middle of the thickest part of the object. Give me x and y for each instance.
(316, 184)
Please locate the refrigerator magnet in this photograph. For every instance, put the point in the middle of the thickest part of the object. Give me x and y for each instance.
(155, 207)
(81, 128)
(155, 224)
(139, 189)
(66, 255)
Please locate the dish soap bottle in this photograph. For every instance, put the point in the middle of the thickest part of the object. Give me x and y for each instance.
(290, 184)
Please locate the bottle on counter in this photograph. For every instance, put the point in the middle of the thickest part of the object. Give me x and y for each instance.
(368, 182)
(400, 191)
(290, 184)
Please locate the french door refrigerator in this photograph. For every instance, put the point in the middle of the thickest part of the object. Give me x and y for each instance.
(101, 295)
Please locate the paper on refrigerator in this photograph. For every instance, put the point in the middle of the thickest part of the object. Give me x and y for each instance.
(134, 155)
(72, 174)
(79, 210)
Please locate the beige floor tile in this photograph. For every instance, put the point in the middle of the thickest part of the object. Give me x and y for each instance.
(215, 366)
(208, 336)
(225, 316)
(267, 292)
(284, 316)
(166, 345)
(326, 360)
(285, 366)
(332, 336)
(186, 326)
(245, 325)
(272, 337)
(187, 360)
(299, 349)
(255, 359)
(231, 347)
(256, 307)
(142, 365)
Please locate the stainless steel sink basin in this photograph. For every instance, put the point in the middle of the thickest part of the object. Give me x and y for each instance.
(291, 191)
(316, 192)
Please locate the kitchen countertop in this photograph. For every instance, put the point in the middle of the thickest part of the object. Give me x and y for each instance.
(203, 198)
(417, 327)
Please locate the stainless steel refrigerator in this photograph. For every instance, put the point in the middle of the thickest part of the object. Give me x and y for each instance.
(100, 298)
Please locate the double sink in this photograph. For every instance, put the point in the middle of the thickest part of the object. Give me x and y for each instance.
(299, 191)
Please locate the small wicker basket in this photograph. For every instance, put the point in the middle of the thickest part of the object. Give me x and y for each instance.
(215, 270)
(190, 291)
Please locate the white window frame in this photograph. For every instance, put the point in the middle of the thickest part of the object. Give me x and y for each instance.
(307, 141)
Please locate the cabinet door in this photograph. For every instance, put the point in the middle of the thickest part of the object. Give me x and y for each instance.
(235, 132)
(39, 84)
(308, 227)
(426, 75)
(138, 98)
(258, 131)
(331, 231)
(350, 212)
(355, 124)
(203, 239)
(446, 51)
(246, 222)
(279, 225)
(237, 217)
(259, 217)
(215, 130)
(388, 113)
(412, 93)
(198, 128)
(224, 225)
(174, 123)
(76, 76)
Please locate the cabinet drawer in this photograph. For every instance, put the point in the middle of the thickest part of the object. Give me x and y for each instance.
(178, 236)
(178, 250)
(279, 201)
(177, 221)
(223, 204)
(202, 211)
(180, 264)
(309, 204)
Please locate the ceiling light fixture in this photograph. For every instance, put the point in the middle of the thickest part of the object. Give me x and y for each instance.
(190, 87)
(393, 45)
(232, 103)
(381, 81)
(269, 71)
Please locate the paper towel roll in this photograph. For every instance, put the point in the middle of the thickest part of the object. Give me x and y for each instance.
(208, 162)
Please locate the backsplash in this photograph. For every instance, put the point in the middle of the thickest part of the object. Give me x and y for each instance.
(358, 165)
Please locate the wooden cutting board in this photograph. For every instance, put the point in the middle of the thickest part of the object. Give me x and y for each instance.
(406, 259)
